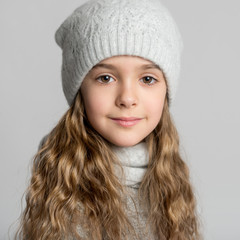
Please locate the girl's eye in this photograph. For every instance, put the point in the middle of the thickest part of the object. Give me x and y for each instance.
(108, 79)
(105, 79)
(149, 80)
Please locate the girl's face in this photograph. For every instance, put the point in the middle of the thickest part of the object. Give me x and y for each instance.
(124, 97)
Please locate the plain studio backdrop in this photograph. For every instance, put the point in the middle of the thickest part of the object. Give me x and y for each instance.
(206, 109)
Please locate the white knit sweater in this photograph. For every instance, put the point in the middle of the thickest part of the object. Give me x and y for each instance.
(134, 162)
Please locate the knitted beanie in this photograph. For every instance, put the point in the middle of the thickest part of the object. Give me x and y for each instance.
(100, 29)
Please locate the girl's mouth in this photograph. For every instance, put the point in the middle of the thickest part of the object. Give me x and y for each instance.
(126, 121)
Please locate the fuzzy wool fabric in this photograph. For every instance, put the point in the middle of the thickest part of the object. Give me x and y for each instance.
(100, 29)
(134, 161)
(137, 216)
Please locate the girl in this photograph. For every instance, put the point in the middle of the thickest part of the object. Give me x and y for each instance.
(111, 167)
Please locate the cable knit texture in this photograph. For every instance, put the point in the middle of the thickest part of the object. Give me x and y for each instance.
(100, 29)
(134, 161)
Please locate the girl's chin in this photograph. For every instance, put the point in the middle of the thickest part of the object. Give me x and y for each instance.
(126, 143)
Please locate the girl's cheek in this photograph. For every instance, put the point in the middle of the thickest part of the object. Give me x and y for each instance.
(98, 101)
(154, 103)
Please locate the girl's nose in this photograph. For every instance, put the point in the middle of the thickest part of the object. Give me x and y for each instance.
(126, 97)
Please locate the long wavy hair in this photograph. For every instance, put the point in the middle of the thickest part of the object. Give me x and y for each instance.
(74, 193)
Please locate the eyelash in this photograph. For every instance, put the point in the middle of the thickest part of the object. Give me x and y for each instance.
(155, 80)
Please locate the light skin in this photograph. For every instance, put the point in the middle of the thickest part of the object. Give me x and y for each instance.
(124, 97)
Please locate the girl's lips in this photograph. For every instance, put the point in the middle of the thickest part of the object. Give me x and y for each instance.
(126, 122)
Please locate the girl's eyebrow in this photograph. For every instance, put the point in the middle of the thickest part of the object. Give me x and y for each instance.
(112, 67)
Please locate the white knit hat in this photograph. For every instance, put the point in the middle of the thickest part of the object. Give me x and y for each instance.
(100, 29)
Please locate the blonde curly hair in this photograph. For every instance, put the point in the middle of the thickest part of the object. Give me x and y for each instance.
(73, 185)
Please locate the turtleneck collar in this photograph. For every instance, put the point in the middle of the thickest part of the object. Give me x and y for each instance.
(134, 161)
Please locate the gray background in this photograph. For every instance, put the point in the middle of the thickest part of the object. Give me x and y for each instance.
(206, 109)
